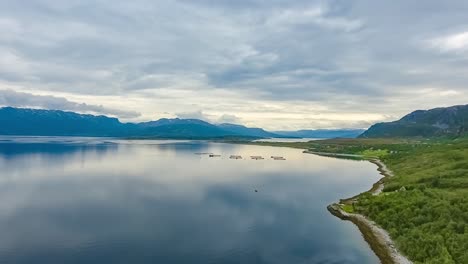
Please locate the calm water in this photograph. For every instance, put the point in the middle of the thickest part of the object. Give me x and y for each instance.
(78, 200)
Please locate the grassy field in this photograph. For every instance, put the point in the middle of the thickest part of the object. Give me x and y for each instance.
(424, 206)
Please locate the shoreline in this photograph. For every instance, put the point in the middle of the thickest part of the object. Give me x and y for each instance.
(378, 238)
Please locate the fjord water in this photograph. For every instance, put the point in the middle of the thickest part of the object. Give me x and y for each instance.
(78, 200)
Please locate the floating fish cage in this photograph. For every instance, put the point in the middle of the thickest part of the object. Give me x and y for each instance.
(256, 157)
(278, 158)
(211, 155)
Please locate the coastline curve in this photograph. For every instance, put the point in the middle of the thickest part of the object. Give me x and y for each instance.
(378, 238)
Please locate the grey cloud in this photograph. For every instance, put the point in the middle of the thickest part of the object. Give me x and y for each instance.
(18, 99)
(325, 51)
(237, 45)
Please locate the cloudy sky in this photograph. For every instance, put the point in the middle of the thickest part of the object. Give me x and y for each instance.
(269, 63)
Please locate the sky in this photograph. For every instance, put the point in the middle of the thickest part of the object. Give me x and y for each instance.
(280, 65)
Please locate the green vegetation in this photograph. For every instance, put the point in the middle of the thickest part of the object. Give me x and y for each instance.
(442, 121)
(424, 206)
(371, 153)
(349, 208)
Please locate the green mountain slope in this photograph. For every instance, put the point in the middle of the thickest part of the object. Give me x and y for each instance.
(443, 121)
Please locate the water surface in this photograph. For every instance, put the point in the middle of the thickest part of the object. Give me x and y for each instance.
(85, 200)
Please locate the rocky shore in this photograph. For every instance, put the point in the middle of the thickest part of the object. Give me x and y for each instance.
(378, 239)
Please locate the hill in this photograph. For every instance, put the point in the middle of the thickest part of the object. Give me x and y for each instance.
(182, 128)
(443, 121)
(242, 130)
(35, 122)
(39, 122)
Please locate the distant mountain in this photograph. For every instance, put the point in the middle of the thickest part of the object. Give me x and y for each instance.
(443, 121)
(174, 121)
(323, 133)
(181, 128)
(20, 121)
(184, 128)
(242, 130)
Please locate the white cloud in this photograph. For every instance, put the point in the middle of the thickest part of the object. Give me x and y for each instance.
(454, 42)
(231, 119)
(193, 115)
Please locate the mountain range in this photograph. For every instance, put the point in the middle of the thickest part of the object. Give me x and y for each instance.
(39, 122)
(442, 121)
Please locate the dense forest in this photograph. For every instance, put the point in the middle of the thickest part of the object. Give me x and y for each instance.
(425, 205)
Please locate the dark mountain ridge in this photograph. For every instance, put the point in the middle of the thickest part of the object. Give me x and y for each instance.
(22, 121)
(442, 121)
(39, 122)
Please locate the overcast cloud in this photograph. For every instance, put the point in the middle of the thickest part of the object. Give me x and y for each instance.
(275, 64)
(26, 100)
